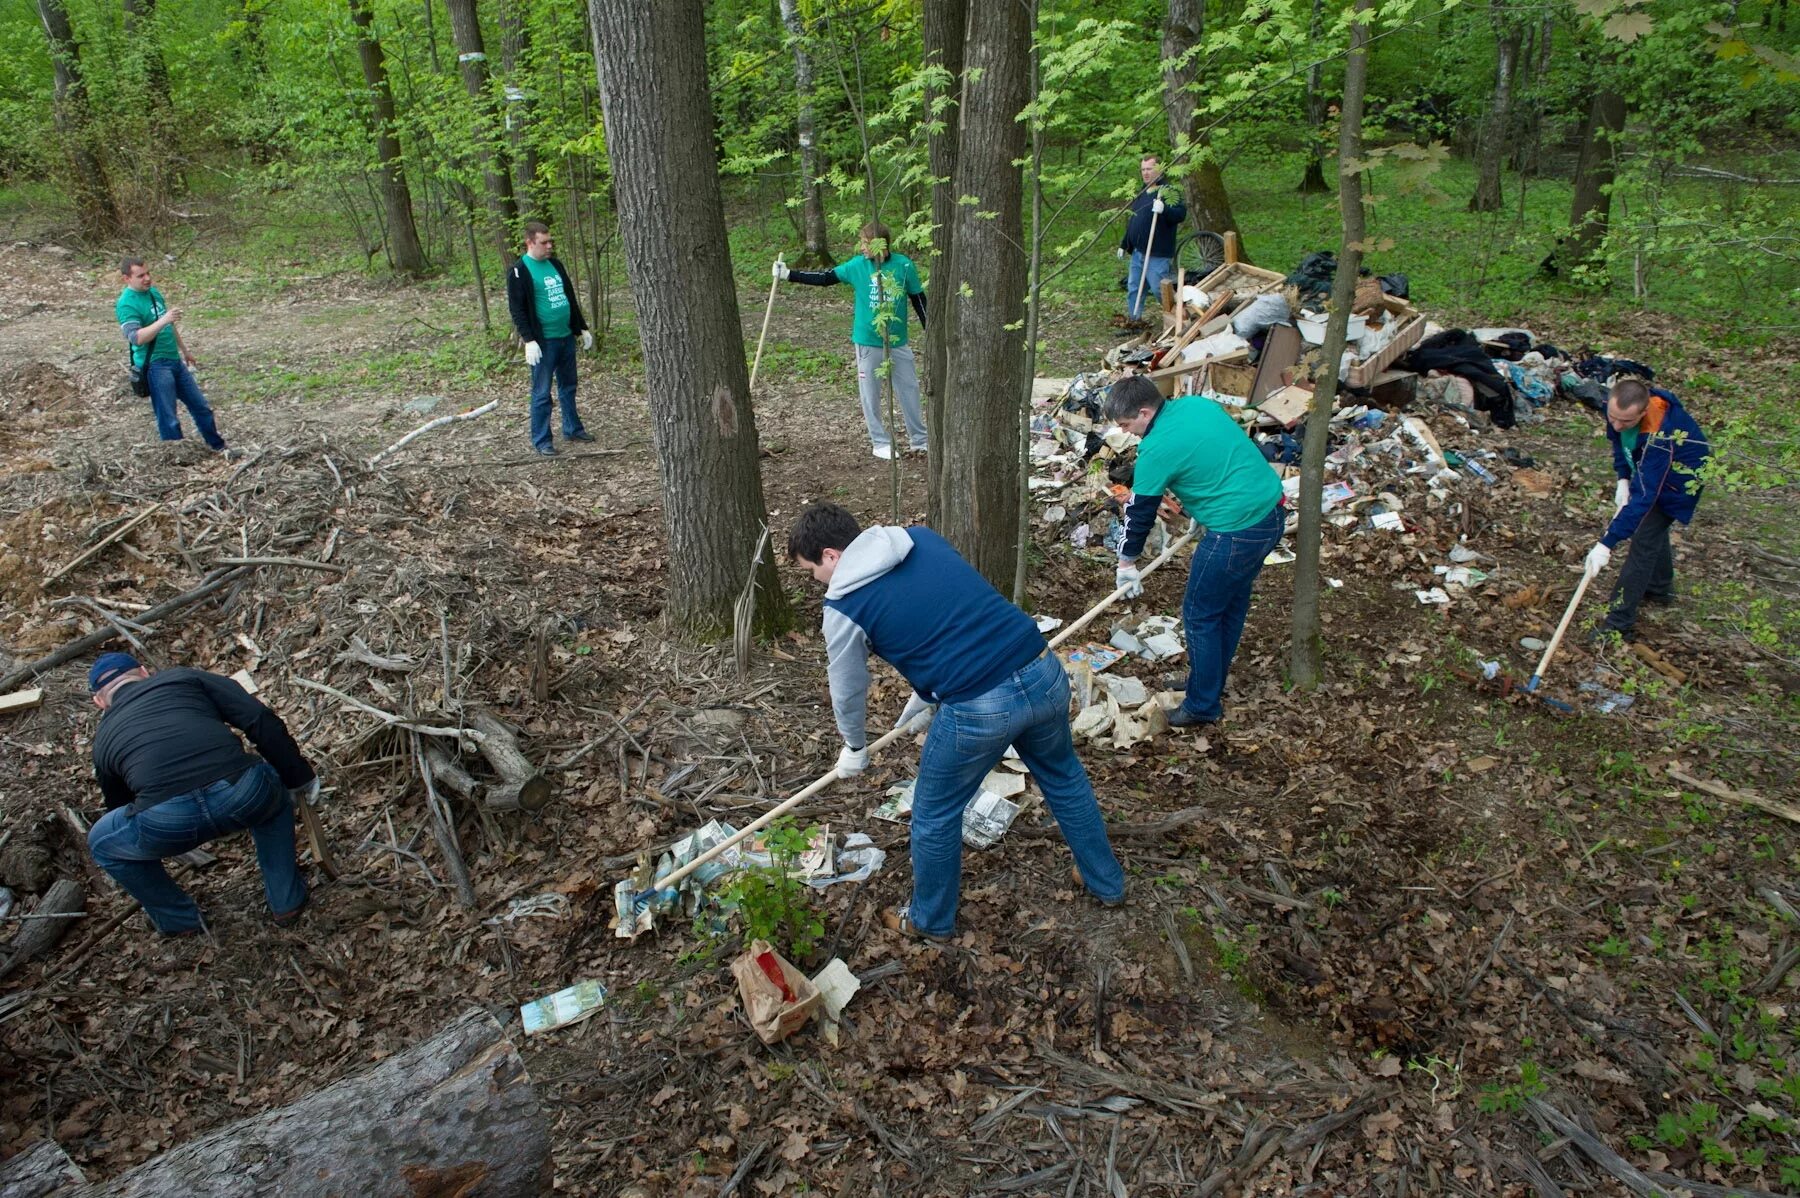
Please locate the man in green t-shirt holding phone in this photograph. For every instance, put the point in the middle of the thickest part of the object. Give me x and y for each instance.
(541, 299)
(156, 349)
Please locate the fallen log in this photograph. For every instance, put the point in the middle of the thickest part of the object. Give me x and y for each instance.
(41, 1170)
(448, 773)
(454, 1115)
(43, 930)
(93, 640)
(522, 787)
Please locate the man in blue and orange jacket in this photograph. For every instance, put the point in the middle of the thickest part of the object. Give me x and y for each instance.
(1658, 452)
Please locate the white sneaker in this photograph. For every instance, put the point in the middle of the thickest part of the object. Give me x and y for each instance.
(884, 452)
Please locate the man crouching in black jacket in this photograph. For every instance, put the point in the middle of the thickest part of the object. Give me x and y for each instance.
(175, 776)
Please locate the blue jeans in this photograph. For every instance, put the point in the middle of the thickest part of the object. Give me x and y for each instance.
(171, 380)
(1029, 711)
(132, 847)
(1160, 269)
(558, 362)
(1218, 598)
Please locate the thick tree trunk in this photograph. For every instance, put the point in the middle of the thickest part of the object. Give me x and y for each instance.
(1594, 172)
(396, 199)
(979, 506)
(651, 64)
(454, 1115)
(1491, 146)
(1209, 207)
(1313, 181)
(41, 1171)
(812, 203)
(95, 212)
(522, 787)
(162, 169)
(945, 22)
(1306, 654)
(471, 61)
(513, 40)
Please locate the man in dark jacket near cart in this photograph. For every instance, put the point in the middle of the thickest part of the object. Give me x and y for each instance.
(1159, 203)
(541, 299)
(175, 776)
(1658, 454)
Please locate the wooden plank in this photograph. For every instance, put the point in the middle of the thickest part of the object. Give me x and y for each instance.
(1718, 790)
(1234, 248)
(1281, 350)
(21, 700)
(108, 539)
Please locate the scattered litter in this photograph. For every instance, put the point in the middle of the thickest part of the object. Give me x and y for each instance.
(856, 861)
(1462, 576)
(1163, 645)
(1278, 557)
(1125, 642)
(1531, 644)
(898, 805)
(1335, 583)
(1436, 595)
(1388, 521)
(1332, 495)
(551, 903)
(1049, 623)
(1490, 670)
(778, 999)
(1128, 692)
(1008, 784)
(836, 986)
(570, 1005)
(1096, 656)
(1606, 700)
(986, 819)
(1462, 555)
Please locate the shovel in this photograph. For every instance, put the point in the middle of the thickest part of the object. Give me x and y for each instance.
(669, 881)
(768, 311)
(1550, 649)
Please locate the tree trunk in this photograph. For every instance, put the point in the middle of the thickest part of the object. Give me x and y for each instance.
(95, 212)
(1307, 652)
(396, 199)
(1594, 172)
(39, 935)
(454, 1115)
(471, 61)
(140, 43)
(979, 505)
(812, 204)
(1209, 207)
(1491, 147)
(41, 1171)
(1313, 181)
(651, 64)
(513, 41)
(945, 22)
(1034, 306)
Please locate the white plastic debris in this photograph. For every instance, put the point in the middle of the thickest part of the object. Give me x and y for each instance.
(1436, 595)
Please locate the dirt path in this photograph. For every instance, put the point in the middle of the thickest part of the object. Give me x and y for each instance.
(1463, 870)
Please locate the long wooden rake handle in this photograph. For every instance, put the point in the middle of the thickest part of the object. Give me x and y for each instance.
(768, 311)
(1550, 649)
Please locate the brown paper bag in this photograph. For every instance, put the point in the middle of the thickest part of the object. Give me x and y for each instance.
(776, 1009)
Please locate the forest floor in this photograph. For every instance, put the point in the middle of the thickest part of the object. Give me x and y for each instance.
(1396, 936)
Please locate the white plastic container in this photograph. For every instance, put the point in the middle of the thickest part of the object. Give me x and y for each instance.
(1312, 328)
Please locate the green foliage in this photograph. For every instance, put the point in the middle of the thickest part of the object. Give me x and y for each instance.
(771, 903)
(1509, 1098)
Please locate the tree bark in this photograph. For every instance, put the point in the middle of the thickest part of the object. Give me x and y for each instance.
(513, 40)
(471, 61)
(1209, 207)
(141, 43)
(986, 355)
(1491, 147)
(812, 204)
(95, 211)
(455, 1115)
(1307, 651)
(37, 936)
(396, 198)
(41, 1171)
(1313, 181)
(1594, 172)
(945, 23)
(651, 65)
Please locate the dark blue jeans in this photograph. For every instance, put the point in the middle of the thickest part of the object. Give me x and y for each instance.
(1648, 572)
(1218, 599)
(132, 847)
(171, 380)
(1029, 711)
(558, 362)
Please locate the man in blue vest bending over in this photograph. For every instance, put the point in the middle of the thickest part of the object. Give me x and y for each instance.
(905, 595)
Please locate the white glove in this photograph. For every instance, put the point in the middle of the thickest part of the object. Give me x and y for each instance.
(1597, 560)
(852, 762)
(587, 339)
(1621, 495)
(1130, 578)
(1121, 251)
(534, 353)
(1157, 206)
(309, 794)
(915, 717)
(780, 270)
